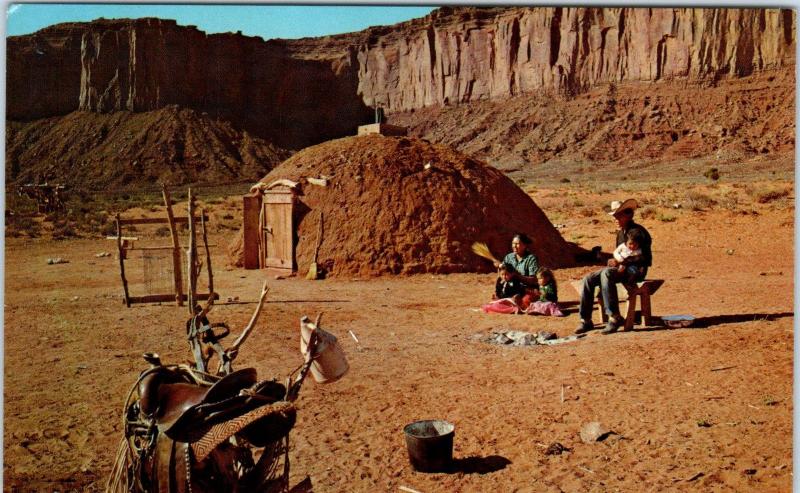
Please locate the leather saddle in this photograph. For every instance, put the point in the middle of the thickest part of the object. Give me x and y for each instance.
(185, 411)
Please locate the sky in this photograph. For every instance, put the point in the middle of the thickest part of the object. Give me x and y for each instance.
(271, 21)
(267, 21)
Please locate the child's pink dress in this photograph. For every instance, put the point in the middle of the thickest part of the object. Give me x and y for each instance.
(503, 305)
(547, 304)
(544, 308)
(539, 307)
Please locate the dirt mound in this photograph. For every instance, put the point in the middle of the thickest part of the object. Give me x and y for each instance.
(622, 124)
(174, 145)
(405, 206)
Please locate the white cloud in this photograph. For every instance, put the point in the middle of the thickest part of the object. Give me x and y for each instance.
(12, 8)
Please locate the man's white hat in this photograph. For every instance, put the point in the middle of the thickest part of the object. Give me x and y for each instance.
(617, 206)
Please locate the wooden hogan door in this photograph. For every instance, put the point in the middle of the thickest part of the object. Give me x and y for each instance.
(277, 229)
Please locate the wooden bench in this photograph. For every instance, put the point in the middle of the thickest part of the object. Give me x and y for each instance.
(643, 290)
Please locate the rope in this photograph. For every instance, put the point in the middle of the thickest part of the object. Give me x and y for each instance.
(118, 479)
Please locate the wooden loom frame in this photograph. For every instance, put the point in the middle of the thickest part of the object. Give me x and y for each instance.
(192, 268)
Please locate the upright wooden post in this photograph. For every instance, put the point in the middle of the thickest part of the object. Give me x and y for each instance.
(208, 254)
(191, 254)
(251, 230)
(122, 262)
(176, 248)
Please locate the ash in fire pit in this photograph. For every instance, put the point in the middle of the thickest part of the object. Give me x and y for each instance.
(520, 338)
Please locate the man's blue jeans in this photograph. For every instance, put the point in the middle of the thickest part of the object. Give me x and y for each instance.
(606, 279)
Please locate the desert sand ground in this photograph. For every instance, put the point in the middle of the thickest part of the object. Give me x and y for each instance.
(707, 408)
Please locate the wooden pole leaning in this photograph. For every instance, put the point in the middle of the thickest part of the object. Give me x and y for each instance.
(190, 254)
(208, 253)
(246, 332)
(122, 262)
(176, 248)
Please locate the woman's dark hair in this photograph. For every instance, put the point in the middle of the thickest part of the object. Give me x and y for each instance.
(523, 238)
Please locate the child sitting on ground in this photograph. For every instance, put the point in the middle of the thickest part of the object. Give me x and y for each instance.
(627, 256)
(508, 292)
(547, 304)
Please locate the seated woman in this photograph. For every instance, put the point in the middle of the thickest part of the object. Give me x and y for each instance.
(523, 261)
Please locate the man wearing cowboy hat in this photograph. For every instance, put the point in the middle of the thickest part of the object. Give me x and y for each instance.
(608, 277)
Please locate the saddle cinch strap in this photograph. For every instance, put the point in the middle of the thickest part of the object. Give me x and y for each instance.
(171, 467)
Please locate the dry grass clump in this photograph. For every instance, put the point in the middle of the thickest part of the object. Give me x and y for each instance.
(63, 229)
(647, 212)
(18, 225)
(698, 201)
(666, 218)
(91, 214)
(729, 200)
(765, 196)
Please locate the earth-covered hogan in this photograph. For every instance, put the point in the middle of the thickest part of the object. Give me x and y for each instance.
(397, 205)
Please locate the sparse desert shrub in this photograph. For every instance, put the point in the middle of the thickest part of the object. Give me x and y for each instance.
(667, 218)
(697, 201)
(770, 195)
(162, 231)
(63, 229)
(647, 212)
(228, 217)
(18, 225)
(601, 190)
(109, 229)
(565, 180)
(712, 174)
(729, 200)
(586, 212)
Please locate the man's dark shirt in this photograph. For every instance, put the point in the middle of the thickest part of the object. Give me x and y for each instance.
(646, 245)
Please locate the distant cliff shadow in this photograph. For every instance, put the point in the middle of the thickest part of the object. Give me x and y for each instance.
(479, 465)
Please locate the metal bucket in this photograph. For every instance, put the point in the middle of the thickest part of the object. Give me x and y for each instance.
(331, 363)
(430, 445)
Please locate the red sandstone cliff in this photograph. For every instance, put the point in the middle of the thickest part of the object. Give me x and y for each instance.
(460, 55)
(453, 55)
(147, 64)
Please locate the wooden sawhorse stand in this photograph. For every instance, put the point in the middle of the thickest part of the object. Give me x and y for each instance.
(643, 290)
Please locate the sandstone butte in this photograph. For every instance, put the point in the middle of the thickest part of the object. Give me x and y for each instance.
(300, 92)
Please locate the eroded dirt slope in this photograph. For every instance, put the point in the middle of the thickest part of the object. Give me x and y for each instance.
(98, 151)
(617, 125)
